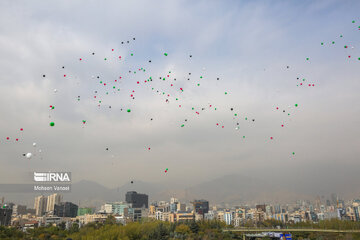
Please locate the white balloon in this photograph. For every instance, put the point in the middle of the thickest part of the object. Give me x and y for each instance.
(40, 150)
(34, 144)
(28, 155)
(55, 90)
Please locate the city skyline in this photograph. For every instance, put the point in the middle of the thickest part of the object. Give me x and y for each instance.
(246, 59)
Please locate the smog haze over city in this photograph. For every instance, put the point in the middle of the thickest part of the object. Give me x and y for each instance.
(229, 101)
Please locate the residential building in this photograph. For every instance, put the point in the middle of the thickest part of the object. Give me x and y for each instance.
(40, 205)
(52, 200)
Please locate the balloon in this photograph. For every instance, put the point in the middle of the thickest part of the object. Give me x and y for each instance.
(129, 110)
(296, 105)
(55, 90)
(52, 124)
(165, 54)
(28, 155)
(34, 144)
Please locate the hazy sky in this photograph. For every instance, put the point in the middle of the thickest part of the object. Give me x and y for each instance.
(246, 44)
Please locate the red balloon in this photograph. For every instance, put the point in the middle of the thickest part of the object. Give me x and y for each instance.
(21, 129)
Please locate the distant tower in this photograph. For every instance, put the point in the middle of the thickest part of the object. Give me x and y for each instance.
(40, 205)
(52, 200)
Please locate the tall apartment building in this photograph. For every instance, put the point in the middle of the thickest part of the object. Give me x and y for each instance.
(66, 209)
(52, 200)
(40, 205)
(201, 206)
(5, 216)
(137, 200)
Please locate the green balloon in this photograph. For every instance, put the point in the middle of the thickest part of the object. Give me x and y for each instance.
(296, 105)
(293, 153)
(225, 93)
(52, 124)
(182, 125)
(129, 110)
(165, 54)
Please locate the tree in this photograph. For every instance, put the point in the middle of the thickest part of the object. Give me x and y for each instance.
(194, 227)
(74, 228)
(110, 220)
(182, 231)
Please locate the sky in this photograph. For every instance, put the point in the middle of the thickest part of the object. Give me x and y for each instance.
(257, 49)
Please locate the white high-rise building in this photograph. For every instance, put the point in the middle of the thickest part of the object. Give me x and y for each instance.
(52, 200)
(173, 200)
(40, 205)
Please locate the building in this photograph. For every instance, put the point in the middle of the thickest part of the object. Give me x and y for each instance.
(52, 200)
(19, 210)
(173, 200)
(181, 217)
(201, 206)
(137, 200)
(120, 208)
(40, 205)
(5, 216)
(228, 217)
(107, 208)
(83, 211)
(181, 207)
(66, 209)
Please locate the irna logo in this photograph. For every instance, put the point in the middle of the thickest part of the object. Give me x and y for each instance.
(52, 177)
